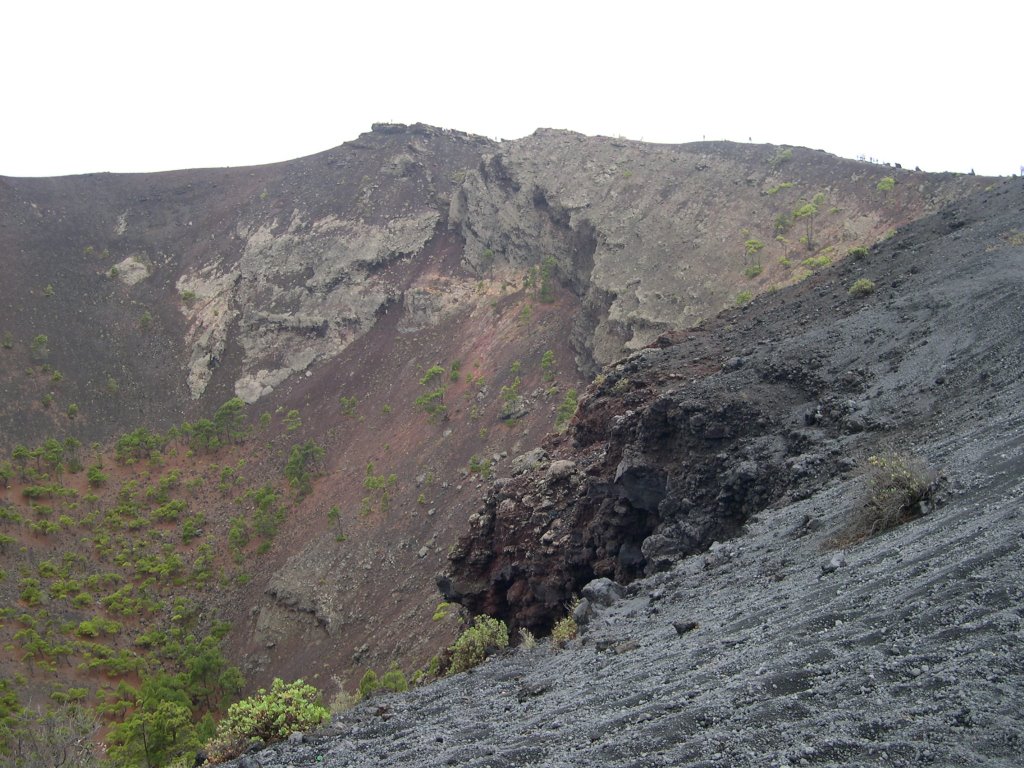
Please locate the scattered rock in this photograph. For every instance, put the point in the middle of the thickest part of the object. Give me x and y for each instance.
(583, 611)
(560, 470)
(682, 627)
(528, 461)
(838, 561)
(603, 592)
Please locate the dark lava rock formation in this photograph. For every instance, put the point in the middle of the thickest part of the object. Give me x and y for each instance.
(771, 648)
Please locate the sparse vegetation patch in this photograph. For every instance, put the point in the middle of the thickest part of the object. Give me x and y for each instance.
(900, 488)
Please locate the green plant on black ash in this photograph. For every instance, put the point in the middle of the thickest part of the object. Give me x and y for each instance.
(862, 287)
(486, 636)
(266, 717)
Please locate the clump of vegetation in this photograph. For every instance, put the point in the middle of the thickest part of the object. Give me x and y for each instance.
(348, 405)
(565, 629)
(547, 365)
(39, 348)
(779, 187)
(816, 262)
(744, 297)
(485, 637)
(546, 288)
(886, 184)
(431, 402)
(292, 420)
(303, 461)
(783, 155)
(859, 252)
(753, 270)
(1013, 237)
(527, 639)
(486, 260)
(378, 488)
(862, 287)
(900, 488)
(510, 395)
(267, 716)
(393, 680)
(480, 466)
(806, 212)
(566, 410)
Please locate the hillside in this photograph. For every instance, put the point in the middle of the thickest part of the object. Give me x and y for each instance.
(411, 312)
(768, 643)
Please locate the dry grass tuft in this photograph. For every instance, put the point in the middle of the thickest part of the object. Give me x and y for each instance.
(900, 488)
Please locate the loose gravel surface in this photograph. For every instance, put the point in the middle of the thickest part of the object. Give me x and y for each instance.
(773, 649)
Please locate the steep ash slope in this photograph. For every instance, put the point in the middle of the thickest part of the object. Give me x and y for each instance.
(902, 650)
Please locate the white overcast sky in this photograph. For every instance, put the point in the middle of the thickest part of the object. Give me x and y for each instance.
(151, 85)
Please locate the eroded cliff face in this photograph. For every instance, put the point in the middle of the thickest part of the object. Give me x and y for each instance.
(300, 293)
(653, 237)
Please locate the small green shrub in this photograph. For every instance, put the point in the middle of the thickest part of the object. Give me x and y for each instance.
(547, 365)
(859, 252)
(783, 155)
(272, 716)
(442, 611)
(753, 270)
(564, 630)
(368, 684)
(816, 262)
(394, 679)
(862, 287)
(743, 297)
(886, 184)
(292, 420)
(485, 636)
(566, 410)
